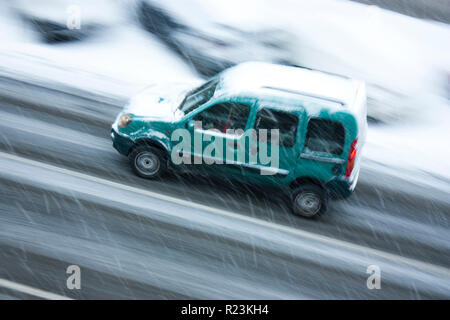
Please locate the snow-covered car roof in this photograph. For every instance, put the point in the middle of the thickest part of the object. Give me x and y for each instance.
(251, 76)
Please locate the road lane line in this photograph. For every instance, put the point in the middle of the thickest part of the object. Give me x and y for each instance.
(31, 291)
(424, 266)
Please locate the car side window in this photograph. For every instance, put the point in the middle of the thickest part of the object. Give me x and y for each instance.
(325, 136)
(224, 116)
(199, 96)
(285, 122)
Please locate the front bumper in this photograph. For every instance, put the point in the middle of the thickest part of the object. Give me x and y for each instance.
(120, 142)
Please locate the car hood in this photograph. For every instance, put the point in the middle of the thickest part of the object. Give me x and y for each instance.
(158, 102)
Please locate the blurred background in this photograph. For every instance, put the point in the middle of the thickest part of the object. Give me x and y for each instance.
(68, 67)
(401, 58)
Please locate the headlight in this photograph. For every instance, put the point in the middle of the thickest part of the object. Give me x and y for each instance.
(125, 120)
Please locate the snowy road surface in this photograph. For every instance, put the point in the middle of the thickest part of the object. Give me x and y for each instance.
(68, 198)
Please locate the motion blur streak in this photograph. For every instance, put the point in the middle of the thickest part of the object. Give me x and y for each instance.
(31, 291)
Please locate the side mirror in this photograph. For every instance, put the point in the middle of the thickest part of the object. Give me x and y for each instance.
(190, 124)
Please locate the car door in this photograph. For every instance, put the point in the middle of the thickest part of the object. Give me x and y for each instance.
(273, 167)
(323, 153)
(216, 135)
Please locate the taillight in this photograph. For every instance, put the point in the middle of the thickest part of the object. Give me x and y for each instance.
(351, 159)
(125, 120)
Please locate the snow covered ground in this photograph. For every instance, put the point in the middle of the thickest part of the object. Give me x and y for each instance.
(118, 61)
(417, 151)
(404, 55)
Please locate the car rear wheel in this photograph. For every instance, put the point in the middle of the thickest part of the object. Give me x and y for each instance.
(309, 201)
(148, 162)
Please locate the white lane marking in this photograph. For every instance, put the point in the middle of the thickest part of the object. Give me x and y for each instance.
(31, 291)
(297, 232)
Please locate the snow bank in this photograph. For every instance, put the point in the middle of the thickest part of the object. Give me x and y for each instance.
(119, 61)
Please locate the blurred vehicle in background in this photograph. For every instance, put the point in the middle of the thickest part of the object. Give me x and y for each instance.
(58, 21)
(210, 46)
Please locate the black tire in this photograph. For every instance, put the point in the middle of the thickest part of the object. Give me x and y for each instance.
(148, 162)
(309, 201)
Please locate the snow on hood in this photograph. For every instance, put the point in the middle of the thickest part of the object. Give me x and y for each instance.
(158, 102)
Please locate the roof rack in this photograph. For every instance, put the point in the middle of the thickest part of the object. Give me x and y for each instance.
(305, 94)
(322, 71)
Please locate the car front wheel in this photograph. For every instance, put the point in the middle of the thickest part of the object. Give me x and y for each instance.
(309, 201)
(148, 162)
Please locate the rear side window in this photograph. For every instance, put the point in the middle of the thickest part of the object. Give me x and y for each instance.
(285, 122)
(325, 136)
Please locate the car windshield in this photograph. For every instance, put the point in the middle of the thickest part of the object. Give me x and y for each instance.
(199, 96)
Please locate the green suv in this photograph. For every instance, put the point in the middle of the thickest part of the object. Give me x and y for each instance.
(259, 123)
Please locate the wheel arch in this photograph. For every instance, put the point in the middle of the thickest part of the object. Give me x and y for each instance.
(306, 180)
(149, 142)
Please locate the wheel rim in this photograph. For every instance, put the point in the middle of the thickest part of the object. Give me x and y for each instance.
(147, 163)
(308, 203)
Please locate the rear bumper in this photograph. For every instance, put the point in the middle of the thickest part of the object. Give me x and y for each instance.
(342, 188)
(121, 143)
